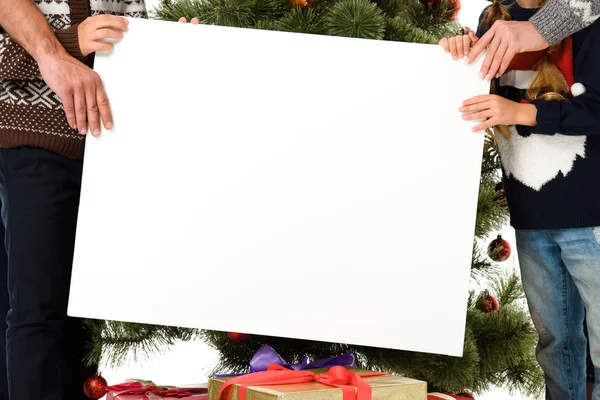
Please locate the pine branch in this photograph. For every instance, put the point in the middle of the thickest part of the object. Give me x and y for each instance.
(508, 289)
(448, 373)
(481, 267)
(172, 11)
(233, 13)
(491, 159)
(269, 9)
(399, 29)
(433, 15)
(391, 8)
(491, 215)
(116, 341)
(356, 18)
(504, 338)
(302, 20)
(526, 378)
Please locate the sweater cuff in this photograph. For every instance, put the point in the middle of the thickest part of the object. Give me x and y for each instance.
(69, 38)
(548, 117)
(556, 21)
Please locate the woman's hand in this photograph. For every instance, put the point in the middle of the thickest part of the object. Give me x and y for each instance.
(94, 31)
(459, 46)
(497, 110)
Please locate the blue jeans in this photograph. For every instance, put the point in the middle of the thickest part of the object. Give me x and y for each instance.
(560, 270)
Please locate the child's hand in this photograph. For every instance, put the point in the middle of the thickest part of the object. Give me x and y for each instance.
(193, 21)
(498, 111)
(94, 30)
(459, 46)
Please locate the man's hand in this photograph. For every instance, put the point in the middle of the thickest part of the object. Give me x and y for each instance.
(94, 31)
(504, 40)
(80, 90)
(497, 110)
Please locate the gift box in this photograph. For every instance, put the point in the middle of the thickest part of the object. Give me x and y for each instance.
(318, 384)
(146, 390)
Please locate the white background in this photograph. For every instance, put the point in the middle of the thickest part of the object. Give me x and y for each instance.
(188, 363)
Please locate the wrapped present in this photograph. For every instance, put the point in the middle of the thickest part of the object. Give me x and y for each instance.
(267, 355)
(334, 378)
(146, 390)
(335, 383)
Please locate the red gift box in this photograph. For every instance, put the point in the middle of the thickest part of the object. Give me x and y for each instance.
(145, 390)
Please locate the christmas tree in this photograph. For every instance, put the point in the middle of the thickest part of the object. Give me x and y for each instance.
(500, 338)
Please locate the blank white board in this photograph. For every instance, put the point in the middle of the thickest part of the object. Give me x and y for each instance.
(281, 184)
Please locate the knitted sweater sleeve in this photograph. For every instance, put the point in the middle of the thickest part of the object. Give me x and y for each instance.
(559, 19)
(579, 115)
(17, 64)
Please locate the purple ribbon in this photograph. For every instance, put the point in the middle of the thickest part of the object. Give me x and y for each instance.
(266, 356)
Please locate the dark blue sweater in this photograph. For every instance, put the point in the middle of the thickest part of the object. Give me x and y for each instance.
(550, 171)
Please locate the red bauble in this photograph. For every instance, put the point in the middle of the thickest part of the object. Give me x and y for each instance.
(499, 249)
(487, 303)
(465, 395)
(452, 7)
(238, 337)
(94, 387)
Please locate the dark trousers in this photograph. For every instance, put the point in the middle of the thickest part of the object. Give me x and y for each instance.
(3, 311)
(40, 197)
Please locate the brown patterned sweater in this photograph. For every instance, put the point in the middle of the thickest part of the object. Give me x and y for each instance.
(30, 113)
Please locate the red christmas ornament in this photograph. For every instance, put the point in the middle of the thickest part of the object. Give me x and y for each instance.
(487, 303)
(499, 249)
(465, 395)
(452, 7)
(238, 337)
(94, 387)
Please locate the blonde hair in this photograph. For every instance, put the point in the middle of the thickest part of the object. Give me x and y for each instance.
(548, 83)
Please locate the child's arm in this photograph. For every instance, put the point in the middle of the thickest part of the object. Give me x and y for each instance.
(459, 46)
(496, 110)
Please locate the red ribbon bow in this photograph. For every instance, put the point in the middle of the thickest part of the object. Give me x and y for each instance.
(137, 388)
(353, 386)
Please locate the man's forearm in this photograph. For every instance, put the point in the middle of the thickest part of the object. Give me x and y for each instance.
(23, 21)
(559, 19)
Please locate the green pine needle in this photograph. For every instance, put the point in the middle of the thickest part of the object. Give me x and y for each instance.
(172, 11)
(481, 267)
(302, 20)
(491, 212)
(508, 289)
(356, 18)
(451, 374)
(401, 30)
